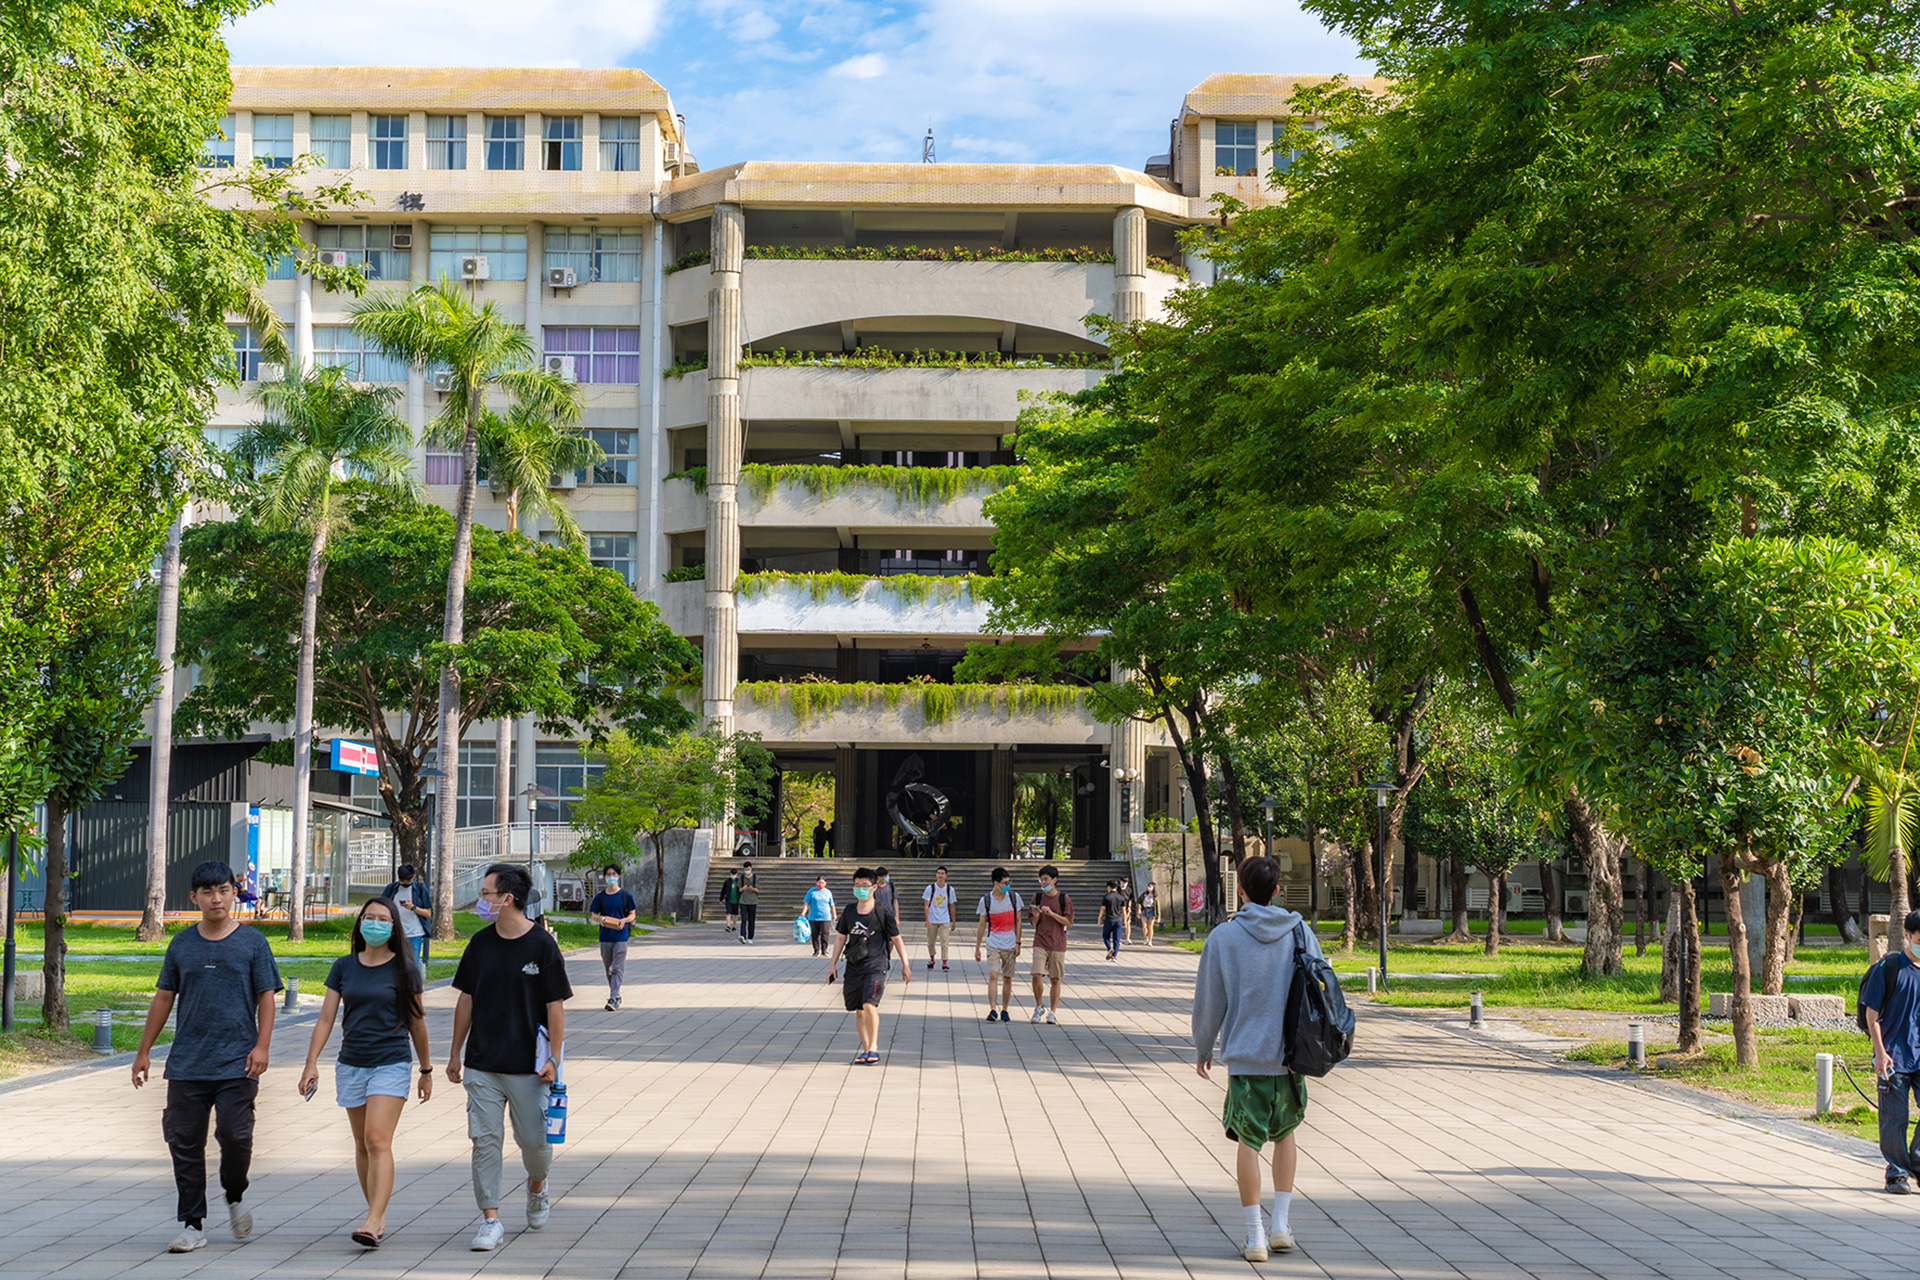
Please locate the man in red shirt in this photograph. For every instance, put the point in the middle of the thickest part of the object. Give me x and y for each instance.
(999, 931)
(1052, 912)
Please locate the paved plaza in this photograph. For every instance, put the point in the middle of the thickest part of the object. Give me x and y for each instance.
(718, 1130)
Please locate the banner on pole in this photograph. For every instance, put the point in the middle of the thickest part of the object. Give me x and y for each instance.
(355, 757)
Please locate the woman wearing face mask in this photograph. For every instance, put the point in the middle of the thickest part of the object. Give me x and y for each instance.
(374, 1071)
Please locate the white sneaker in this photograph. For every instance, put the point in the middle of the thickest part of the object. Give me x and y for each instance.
(189, 1239)
(1050, 1018)
(240, 1218)
(492, 1232)
(538, 1206)
(1039, 1014)
(1280, 1241)
(1255, 1249)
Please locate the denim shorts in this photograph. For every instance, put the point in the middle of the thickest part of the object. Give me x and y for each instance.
(353, 1085)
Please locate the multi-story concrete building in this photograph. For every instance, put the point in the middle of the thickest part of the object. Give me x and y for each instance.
(797, 488)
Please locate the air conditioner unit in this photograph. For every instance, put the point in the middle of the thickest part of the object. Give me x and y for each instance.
(561, 278)
(563, 480)
(271, 371)
(443, 381)
(334, 258)
(402, 239)
(670, 152)
(561, 367)
(475, 268)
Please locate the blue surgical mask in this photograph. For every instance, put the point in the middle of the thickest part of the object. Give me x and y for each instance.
(487, 909)
(861, 892)
(613, 882)
(376, 932)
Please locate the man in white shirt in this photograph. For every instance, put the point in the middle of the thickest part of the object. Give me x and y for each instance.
(999, 932)
(939, 899)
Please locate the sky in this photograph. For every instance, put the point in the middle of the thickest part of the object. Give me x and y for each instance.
(1012, 81)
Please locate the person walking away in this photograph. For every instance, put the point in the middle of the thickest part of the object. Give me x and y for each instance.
(822, 839)
(1890, 997)
(1113, 908)
(513, 971)
(1126, 910)
(749, 896)
(938, 899)
(385, 1031)
(1240, 999)
(867, 933)
(819, 907)
(730, 898)
(614, 910)
(1149, 909)
(1052, 912)
(999, 931)
(221, 975)
(409, 894)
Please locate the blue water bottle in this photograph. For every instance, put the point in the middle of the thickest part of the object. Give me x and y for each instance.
(557, 1113)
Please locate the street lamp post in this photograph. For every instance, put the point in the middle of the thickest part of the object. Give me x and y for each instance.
(431, 777)
(532, 794)
(1382, 787)
(1266, 808)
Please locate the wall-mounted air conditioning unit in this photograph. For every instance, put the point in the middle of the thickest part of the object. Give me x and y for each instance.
(443, 381)
(670, 152)
(561, 278)
(563, 480)
(561, 367)
(402, 239)
(334, 258)
(475, 268)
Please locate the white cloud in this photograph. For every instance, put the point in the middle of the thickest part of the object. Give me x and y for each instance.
(867, 66)
(445, 33)
(755, 26)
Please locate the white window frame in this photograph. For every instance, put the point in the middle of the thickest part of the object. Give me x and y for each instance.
(620, 144)
(507, 140)
(596, 253)
(562, 138)
(446, 142)
(218, 152)
(274, 150)
(383, 147)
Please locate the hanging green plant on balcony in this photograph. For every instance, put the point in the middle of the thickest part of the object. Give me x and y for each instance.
(681, 368)
(917, 253)
(915, 588)
(938, 703)
(688, 573)
(696, 476)
(879, 358)
(925, 486)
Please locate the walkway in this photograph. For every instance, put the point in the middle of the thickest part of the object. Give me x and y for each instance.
(718, 1131)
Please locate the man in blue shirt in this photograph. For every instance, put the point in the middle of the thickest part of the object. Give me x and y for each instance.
(820, 914)
(614, 910)
(1891, 996)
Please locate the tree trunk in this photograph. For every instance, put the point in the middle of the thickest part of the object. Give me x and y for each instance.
(303, 733)
(1600, 854)
(1556, 930)
(1897, 898)
(453, 631)
(1640, 909)
(153, 913)
(1496, 907)
(1350, 926)
(1366, 907)
(1686, 939)
(53, 963)
(659, 869)
(1797, 930)
(1410, 879)
(1457, 891)
(1672, 952)
(1837, 913)
(1773, 967)
(1746, 1047)
(1230, 794)
(1866, 899)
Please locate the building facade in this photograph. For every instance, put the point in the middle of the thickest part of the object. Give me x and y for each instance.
(806, 378)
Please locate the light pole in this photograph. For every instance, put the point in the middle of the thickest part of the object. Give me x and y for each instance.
(1382, 787)
(8, 971)
(532, 793)
(1126, 778)
(1266, 808)
(430, 776)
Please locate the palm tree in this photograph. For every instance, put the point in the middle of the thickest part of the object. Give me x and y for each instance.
(1040, 802)
(317, 428)
(522, 450)
(442, 326)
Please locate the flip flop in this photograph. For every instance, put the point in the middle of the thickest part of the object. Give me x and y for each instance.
(368, 1240)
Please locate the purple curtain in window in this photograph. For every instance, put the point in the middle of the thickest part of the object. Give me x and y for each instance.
(606, 357)
(443, 468)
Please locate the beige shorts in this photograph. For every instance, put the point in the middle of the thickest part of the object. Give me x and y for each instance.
(1000, 962)
(1049, 964)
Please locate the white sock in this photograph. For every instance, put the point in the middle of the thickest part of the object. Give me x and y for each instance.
(1282, 1202)
(1256, 1229)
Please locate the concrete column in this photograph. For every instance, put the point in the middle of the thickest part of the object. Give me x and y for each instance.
(503, 796)
(845, 796)
(1126, 750)
(1000, 807)
(536, 283)
(523, 759)
(1130, 266)
(422, 246)
(724, 445)
(302, 343)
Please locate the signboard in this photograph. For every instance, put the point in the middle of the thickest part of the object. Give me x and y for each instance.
(355, 757)
(1197, 896)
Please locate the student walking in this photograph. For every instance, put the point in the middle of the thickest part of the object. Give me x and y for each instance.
(730, 899)
(748, 894)
(1890, 997)
(512, 970)
(1240, 999)
(999, 931)
(938, 899)
(1052, 912)
(1126, 911)
(221, 975)
(614, 910)
(819, 908)
(409, 894)
(1113, 909)
(1149, 909)
(385, 1032)
(822, 839)
(867, 934)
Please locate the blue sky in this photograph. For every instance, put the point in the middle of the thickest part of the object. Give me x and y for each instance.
(999, 80)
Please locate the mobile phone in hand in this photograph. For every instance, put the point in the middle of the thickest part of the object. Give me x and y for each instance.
(312, 1089)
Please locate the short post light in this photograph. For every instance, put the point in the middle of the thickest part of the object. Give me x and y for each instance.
(1636, 1047)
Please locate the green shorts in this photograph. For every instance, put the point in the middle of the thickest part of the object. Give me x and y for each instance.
(1263, 1109)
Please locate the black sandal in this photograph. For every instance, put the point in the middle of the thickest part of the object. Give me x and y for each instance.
(367, 1240)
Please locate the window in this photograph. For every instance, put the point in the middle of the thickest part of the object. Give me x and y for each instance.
(446, 142)
(338, 346)
(281, 268)
(273, 141)
(620, 143)
(622, 456)
(388, 135)
(246, 351)
(562, 772)
(331, 138)
(1234, 150)
(609, 357)
(560, 142)
(612, 551)
(475, 795)
(594, 254)
(370, 246)
(218, 153)
(443, 468)
(506, 142)
(943, 564)
(224, 438)
(505, 249)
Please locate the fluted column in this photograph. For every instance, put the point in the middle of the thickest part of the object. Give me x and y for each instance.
(1130, 266)
(302, 343)
(724, 445)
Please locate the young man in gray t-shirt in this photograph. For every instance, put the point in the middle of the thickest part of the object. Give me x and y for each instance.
(221, 976)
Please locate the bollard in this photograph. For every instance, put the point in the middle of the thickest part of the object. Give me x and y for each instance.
(1822, 1083)
(1474, 1012)
(103, 1031)
(1636, 1047)
(1373, 980)
(292, 1000)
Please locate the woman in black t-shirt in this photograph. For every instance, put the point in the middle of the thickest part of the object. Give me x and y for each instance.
(374, 1072)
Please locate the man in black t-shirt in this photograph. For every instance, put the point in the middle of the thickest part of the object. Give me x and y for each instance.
(1113, 912)
(513, 969)
(867, 932)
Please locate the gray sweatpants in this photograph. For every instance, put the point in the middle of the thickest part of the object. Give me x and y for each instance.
(614, 956)
(524, 1098)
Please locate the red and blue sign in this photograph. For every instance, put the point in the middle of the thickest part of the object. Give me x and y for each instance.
(355, 757)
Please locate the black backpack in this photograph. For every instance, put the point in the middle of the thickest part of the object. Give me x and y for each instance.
(1318, 1024)
(1860, 1001)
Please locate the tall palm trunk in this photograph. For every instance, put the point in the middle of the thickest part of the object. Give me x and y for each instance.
(53, 962)
(453, 632)
(303, 733)
(153, 914)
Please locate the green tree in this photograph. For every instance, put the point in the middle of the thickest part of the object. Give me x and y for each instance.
(441, 326)
(521, 451)
(1041, 802)
(318, 427)
(805, 798)
(547, 635)
(651, 788)
(1465, 815)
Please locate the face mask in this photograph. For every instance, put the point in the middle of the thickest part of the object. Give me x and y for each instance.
(613, 882)
(1913, 950)
(487, 909)
(862, 892)
(376, 932)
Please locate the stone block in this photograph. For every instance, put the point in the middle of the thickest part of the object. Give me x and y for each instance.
(28, 985)
(1717, 1005)
(1817, 1008)
(1765, 1008)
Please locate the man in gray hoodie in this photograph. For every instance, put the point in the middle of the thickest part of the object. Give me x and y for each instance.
(1240, 999)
